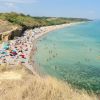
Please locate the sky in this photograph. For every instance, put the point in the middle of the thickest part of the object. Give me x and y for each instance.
(54, 8)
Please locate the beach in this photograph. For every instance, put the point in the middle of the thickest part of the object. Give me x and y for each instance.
(16, 57)
(21, 49)
(49, 50)
(72, 54)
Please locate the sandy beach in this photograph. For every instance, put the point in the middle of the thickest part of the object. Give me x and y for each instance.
(49, 50)
(47, 29)
(21, 49)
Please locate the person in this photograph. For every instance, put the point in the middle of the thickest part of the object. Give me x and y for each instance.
(23, 56)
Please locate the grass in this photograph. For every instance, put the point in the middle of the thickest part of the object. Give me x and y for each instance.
(28, 21)
(34, 87)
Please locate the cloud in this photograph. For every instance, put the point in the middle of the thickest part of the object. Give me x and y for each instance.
(15, 3)
(18, 1)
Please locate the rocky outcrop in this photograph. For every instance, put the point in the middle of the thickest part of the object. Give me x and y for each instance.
(5, 37)
(9, 31)
(11, 34)
(16, 33)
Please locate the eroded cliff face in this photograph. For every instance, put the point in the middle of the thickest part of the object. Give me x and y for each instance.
(8, 31)
(11, 34)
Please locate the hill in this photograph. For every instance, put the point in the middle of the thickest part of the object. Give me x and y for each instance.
(32, 22)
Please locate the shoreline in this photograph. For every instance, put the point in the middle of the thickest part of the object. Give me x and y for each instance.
(56, 27)
(47, 30)
(30, 64)
(29, 38)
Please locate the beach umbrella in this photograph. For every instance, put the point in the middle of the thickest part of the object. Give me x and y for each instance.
(5, 45)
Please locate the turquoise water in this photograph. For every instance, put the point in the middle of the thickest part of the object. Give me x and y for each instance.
(72, 54)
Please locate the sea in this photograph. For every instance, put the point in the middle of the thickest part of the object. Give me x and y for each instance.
(72, 54)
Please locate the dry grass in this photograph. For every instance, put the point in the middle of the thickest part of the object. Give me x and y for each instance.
(33, 87)
(5, 26)
(3, 68)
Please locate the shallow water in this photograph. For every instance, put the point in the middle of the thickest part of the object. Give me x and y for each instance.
(72, 54)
